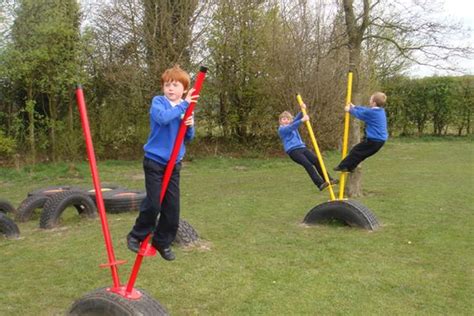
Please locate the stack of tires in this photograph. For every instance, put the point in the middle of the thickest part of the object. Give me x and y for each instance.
(119, 200)
(50, 203)
(8, 227)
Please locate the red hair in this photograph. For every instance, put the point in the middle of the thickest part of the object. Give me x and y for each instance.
(176, 74)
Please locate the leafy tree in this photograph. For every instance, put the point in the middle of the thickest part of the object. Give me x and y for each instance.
(236, 46)
(42, 59)
(412, 32)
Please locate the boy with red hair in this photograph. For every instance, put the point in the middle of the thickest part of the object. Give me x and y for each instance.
(166, 113)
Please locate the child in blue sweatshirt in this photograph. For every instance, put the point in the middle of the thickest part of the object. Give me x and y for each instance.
(166, 113)
(296, 148)
(375, 129)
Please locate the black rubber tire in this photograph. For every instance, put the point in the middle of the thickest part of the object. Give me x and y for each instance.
(101, 302)
(6, 207)
(57, 203)
(28, 206)
(104, 188)
(33, 202)
(8, 227)
(349, 212)
(119, 201)
(54, 189)
(186, 234)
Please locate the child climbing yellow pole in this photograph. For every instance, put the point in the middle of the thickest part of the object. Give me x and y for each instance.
(342, 182)
(316, 148)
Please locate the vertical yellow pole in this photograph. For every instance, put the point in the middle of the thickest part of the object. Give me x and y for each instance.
(342, 181)
(316, 149)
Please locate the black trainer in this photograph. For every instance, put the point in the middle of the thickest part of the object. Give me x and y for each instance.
(323, 186)
(166, 253)
(132, 243)
(340, 169)
(334, 181)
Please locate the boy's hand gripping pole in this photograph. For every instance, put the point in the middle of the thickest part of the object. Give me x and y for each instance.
(316, 148)
(145, 248)
(342, 181)
(81, 104)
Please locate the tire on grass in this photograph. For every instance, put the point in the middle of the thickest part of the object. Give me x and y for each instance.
(186, 234)
(8, 227)
(6, 207)
(57, 203)
(119, 201)
(53, 190)
(102, 302)
(105, 188)
(27, 207)
(350, 212)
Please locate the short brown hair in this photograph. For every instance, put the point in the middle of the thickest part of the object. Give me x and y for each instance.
(176, 74)
(285, 114)
(379, 98)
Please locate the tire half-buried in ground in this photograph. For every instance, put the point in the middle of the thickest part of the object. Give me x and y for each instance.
(350, 212)
(27, 207)
(102, 302)
(186, 234)
(6, 207)
(58, 202)
(8, 227)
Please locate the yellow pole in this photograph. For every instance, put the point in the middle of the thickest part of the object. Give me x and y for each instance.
(316, 148)
(342, 181)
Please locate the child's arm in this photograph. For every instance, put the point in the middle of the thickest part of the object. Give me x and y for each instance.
(299, 118)
(190, 131)
(359, 112)
(348, 107)
(162, 115)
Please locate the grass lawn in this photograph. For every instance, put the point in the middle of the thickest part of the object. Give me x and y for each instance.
(256, 258)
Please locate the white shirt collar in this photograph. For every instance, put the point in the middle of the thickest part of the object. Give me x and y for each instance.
(173, 104)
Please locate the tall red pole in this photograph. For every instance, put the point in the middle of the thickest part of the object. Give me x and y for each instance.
(98, 191)
(169, 169)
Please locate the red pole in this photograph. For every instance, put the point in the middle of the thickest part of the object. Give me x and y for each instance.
(98, 191)
(169, 169)
(182, 130)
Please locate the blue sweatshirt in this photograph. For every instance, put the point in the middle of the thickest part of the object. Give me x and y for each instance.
(164, 125)
(290, 136)
(375, 122)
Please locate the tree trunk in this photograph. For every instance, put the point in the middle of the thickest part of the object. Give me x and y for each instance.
(355, 35)
(30, 108)
(53, 117)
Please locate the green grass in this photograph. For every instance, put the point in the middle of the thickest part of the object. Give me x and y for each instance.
(256, 257)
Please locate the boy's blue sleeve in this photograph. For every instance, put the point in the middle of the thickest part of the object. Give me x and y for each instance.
(299, 116)
(161, 114)
(359, 112)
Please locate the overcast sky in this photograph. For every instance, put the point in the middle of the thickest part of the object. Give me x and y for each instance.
(461, 11)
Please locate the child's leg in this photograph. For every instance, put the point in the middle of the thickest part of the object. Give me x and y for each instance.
(150, 207)
(168, 222)
(314, 160)
(299, 157)
(359, 153)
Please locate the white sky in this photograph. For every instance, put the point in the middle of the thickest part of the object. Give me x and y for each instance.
(461, 11)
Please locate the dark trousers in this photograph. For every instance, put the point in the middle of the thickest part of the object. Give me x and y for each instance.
(164, 231)
(359, 153)
(309, 161)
